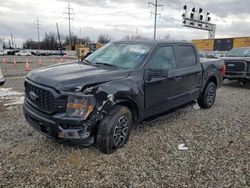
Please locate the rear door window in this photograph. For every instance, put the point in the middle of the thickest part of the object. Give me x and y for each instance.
(186, 56)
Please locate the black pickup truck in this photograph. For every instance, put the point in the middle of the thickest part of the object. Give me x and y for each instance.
(99, 99)
(237, 63)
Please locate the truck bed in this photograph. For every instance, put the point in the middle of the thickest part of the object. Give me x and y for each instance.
(212, 66)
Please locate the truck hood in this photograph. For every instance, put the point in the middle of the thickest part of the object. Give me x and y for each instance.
(67, 76)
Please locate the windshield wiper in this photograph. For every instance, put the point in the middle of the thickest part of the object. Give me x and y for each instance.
(86, 61)
(106, 64)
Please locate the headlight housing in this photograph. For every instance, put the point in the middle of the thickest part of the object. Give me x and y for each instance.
(80, 106)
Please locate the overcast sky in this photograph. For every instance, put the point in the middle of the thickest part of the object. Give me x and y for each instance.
(119, 18)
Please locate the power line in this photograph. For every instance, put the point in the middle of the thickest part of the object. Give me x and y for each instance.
(37, 26)
(69, 17)
(155, 13)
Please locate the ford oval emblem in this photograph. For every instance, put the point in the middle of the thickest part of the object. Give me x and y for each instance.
(33, 96)
(231, 65)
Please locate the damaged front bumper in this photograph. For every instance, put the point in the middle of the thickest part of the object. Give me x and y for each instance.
(59, 128)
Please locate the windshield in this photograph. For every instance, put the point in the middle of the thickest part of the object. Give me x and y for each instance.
(121, 55)
(239, 52)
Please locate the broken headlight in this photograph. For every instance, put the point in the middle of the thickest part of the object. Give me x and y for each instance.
(80, 106)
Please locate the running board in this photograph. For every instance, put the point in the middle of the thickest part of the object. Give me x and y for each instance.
(167, 113)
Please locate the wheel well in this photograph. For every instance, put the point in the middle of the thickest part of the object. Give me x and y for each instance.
(212, 79)
(132, 107)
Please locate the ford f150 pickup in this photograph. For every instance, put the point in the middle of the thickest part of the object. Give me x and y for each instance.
(98, 100)
(237, 63)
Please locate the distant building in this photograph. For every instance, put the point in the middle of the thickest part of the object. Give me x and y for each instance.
(1, 44)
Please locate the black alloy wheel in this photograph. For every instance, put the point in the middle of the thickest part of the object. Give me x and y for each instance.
(114, 130)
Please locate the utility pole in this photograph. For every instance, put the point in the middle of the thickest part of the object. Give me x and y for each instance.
(37, 25)
(69, 17)
(59, 39)
(155, 13)
(12, 43)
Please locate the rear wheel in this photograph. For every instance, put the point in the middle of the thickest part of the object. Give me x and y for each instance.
(208, 96)
(114, 130)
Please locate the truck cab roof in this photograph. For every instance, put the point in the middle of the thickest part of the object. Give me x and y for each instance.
(154, 42)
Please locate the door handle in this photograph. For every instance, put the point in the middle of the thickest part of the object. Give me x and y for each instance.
(177, 78)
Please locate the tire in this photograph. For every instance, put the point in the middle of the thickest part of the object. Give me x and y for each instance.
(208, 96)
(243, 82)
(114, 130)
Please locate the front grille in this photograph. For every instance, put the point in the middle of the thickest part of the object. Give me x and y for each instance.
(236, 66)
(43, 99)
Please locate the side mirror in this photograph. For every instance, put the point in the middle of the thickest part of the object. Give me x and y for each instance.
(156, 73)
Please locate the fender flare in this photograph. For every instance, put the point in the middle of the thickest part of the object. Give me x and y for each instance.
(124, 102)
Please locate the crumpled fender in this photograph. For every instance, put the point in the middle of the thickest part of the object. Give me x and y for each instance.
(109, 94)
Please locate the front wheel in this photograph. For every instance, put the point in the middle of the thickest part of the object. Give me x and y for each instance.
(208, 96)
(114, 130)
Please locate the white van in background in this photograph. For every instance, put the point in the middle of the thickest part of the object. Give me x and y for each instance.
(2, 80)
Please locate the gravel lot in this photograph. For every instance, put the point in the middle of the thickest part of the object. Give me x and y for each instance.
(218, 154)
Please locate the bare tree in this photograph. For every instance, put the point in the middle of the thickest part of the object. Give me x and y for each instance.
(85, 40)
(49, 42)
(74, 40)
(30, 44)
(103, 39)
